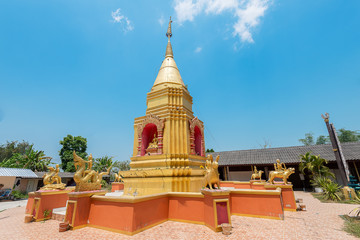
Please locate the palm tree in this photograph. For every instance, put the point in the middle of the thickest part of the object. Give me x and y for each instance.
(103, 163)
(36, 160)
(315, 165)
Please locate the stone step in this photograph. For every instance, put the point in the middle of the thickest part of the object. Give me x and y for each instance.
(59, 214)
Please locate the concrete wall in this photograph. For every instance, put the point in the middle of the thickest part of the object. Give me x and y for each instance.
(7, 181)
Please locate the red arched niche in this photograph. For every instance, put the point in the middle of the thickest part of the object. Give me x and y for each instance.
(147, 136)
(197, 140)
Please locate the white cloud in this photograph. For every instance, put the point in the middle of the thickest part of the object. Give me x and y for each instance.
(161, 20)
(198, 49)
(122, 20)
(246, 12)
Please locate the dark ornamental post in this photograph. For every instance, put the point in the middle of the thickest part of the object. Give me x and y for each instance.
(340, 159)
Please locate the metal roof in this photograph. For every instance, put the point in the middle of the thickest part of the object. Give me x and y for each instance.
(351, 151)
(17, 172)
(61, 174)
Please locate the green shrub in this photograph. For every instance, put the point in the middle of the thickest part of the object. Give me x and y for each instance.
(331, 191)
(104, 184)
(320, 181)
(19, 195)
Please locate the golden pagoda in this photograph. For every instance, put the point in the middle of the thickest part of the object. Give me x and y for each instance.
(169, 147)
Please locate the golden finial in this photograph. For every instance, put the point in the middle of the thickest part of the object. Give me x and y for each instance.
(169, 52)
(168, 33)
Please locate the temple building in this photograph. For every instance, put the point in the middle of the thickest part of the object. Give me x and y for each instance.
(238, 165)
(169, 146)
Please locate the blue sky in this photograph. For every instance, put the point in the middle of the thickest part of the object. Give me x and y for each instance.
(256, 69)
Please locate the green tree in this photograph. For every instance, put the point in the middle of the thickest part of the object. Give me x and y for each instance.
(70, 144)
(348, 135)
(121, 166)
(8, 149)
(32, 159)
(209, 150)
(322, 140)
(103, 163)
(308, 140)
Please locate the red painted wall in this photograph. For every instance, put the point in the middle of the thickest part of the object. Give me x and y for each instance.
(128, 217)
(254, 204)
(186, 208)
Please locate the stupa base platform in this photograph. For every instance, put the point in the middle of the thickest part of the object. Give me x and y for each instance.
(78, 207)
(287, 193)
(41, 203)
(132, 214)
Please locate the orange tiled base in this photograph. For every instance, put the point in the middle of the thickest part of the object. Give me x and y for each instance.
(140, 213)
(312, 224)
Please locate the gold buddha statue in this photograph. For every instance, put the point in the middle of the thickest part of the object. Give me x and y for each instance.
(154, 143)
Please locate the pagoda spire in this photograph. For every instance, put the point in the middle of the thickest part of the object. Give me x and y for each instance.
(169, 52)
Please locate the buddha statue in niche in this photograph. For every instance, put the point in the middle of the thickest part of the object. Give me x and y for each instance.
(153, 145)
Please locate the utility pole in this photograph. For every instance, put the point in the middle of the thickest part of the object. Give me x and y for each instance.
(340, 159)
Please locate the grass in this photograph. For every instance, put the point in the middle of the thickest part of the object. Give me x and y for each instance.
(321, 198)
(351, 225)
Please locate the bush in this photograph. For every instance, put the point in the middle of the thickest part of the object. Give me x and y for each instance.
(104, 184)
(331, 191)
(320, 181)
(19, 195)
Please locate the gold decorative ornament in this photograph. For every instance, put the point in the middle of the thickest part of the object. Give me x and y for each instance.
(256, 174)
(211, 173)
(280, 172)
(85, 178)
(326, 117)
(118, 177)
(52, 180)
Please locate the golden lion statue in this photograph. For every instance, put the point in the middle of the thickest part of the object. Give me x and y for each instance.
(284, 174)
(211, 173)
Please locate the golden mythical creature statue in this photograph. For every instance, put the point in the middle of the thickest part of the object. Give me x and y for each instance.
(85, 178)
(118, 177)
(52, 180)
(256, 174)
(280, 172)
(211, 173)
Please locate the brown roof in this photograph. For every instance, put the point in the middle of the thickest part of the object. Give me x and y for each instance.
(351, 151)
